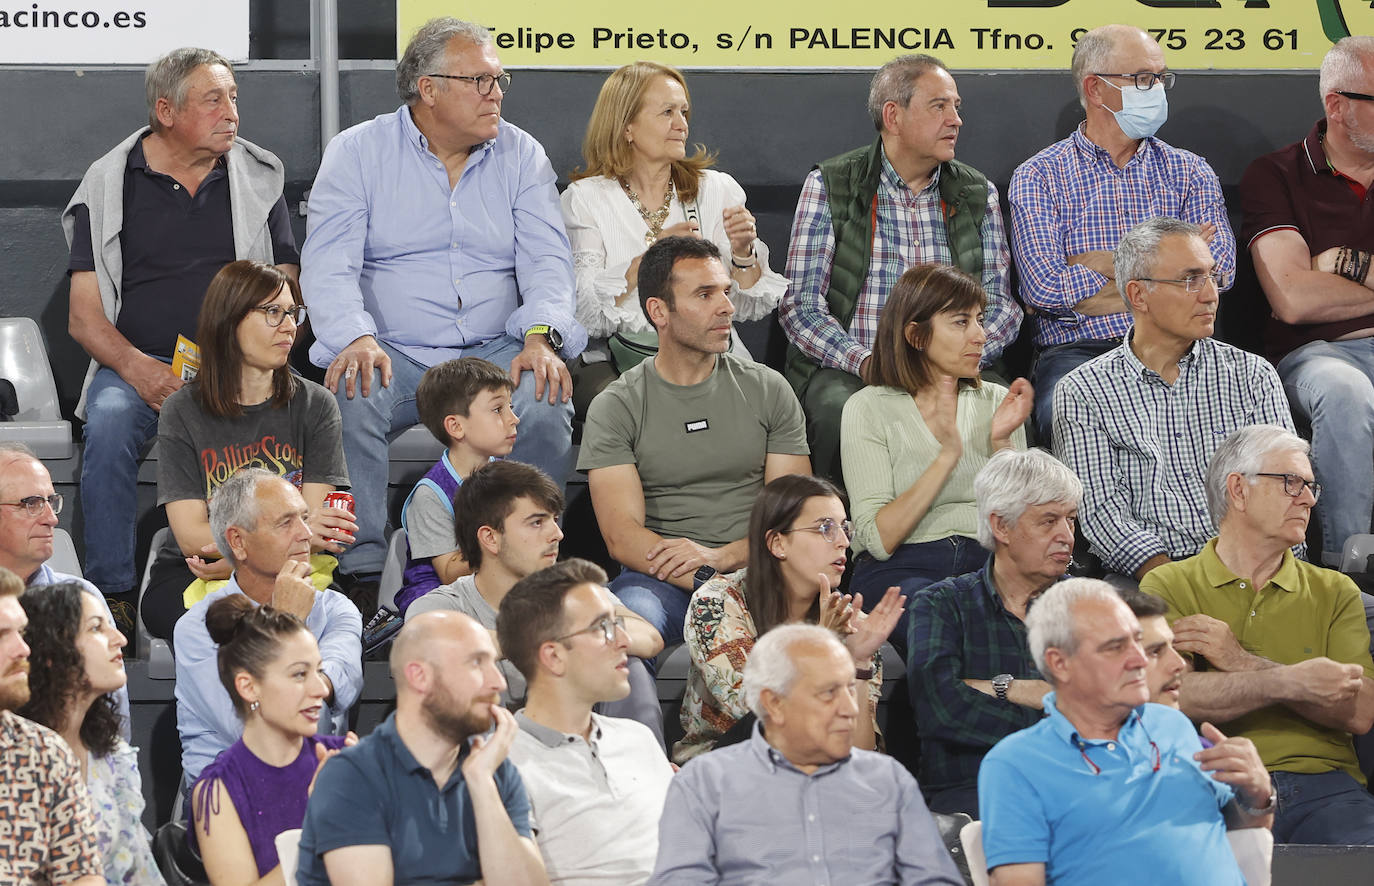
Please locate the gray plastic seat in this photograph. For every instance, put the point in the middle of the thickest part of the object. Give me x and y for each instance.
(393, 570)
(64, 557)
(24, 361)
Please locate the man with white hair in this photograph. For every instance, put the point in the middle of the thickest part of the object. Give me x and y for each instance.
(258, 520)
(969, 670)
(1280, 647)
(1072, 202)
(796, 803)
(1309, 226)
(1139, 424)
(1108, 783)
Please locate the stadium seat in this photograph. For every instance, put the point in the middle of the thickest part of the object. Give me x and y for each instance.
(24, 362)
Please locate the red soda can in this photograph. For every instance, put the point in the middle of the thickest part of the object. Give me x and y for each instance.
(340, 500)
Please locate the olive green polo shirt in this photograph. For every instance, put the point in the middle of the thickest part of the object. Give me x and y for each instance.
(1303, 612)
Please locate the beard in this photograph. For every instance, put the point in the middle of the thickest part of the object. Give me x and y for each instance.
(14, 688)
(443, 714)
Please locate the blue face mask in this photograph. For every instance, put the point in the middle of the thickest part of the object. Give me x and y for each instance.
(1143, 111)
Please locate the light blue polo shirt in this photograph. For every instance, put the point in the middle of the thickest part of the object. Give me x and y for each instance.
(1040, 801)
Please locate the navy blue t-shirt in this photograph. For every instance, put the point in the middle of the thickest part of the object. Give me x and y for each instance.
(172, 245)
(376, 793)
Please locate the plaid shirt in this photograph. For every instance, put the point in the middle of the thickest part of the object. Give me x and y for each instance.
(1072, 198)
(910, 230)
(961, 631)
(1141, 445)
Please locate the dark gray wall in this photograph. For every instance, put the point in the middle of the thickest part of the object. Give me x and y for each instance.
(769, 128)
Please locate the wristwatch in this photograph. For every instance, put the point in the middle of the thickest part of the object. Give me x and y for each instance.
(1269, 806)
(1000, 684)
(555, 340)
(702, 576)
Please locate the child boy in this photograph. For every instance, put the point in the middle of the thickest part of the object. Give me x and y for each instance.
(466, 405)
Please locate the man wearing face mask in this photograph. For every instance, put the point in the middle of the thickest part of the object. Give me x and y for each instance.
(1072, 202)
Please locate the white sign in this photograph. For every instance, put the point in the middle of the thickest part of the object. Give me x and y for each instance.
(135, 32)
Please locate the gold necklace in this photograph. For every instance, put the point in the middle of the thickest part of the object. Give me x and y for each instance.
(653, 219)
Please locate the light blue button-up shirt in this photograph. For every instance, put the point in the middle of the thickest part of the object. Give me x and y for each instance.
(46, 575)
(392, 251)
(205, 713)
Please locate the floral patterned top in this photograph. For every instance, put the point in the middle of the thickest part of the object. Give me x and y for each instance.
(117, 799)
(719, 633)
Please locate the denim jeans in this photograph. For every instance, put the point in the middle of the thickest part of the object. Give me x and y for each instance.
(1325, 808)
(660, 604)
(118, 425)
(1331, 386)
(1052, 364)
(912, 567)
(369, 423)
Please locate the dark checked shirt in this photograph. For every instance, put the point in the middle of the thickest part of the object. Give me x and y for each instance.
(959, 630)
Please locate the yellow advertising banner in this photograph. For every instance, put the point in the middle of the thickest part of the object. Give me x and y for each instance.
(965, 34)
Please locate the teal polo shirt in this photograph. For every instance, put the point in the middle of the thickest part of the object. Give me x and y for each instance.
(376, 793)
(1041, 801)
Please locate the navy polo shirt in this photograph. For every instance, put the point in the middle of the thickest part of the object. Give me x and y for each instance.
(172, 245)
(376, 793)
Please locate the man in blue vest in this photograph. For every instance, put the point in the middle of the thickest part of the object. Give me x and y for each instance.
(866, 216)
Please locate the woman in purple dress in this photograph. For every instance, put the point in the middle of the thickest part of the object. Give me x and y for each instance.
(257, 788)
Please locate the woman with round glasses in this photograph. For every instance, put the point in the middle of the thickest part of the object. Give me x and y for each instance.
(798, 536)
(914, 439)
(75, 664)
(257, 788)
(638, 185)
(245, 408)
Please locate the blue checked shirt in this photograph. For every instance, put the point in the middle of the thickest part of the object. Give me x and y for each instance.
(960, 630)
(1141, 445)
(1072, 198)
(910, 230)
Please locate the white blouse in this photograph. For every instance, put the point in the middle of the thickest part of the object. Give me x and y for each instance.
(607, 234)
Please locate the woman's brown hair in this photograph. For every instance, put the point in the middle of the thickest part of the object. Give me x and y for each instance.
(238, 288)
(920, 293)
(778, 504)
(606, 151)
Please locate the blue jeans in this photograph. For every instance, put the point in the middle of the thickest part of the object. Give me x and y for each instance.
(912, 567)
(1331, 386)
(369, 423)
(118, 425)
(1326, 808)
(1052, 364)
(660, 604)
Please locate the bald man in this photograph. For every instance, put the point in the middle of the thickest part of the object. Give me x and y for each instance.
(429, 796)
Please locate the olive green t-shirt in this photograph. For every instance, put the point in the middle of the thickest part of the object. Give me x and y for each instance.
(699, 449)
(1303, 612)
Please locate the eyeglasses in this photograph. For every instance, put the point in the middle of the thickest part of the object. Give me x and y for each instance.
(1357, 96)
(34, 503)
(1293, 485)
(274, 314)
(1196, 282)
(1146, 79)
(1097, 770)
(483, 82)
(607, 626)
(826, 527)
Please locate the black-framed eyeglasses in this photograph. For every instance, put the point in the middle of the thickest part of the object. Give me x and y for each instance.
(483, 82)
(607, 626)
(1146, 79)
(1196, 282)
(1357, 96)
(1293, 485)
(274, 314)
(826, 526)
(34, 503)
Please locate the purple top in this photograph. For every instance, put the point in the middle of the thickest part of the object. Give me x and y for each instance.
(269, 799)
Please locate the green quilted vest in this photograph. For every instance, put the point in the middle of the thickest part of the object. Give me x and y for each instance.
(851, 185)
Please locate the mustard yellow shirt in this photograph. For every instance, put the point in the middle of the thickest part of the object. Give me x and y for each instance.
(1302, 612)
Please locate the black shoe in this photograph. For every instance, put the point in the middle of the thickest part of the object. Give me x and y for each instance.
(125, 615)
(362, 590)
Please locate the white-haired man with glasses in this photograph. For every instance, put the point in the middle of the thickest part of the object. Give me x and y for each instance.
(596, 784)
(1280, 647)
(435, 233)
(1309, 226)
(1072, 202)
(1109, 788)
(28, 515)
(1140, 423)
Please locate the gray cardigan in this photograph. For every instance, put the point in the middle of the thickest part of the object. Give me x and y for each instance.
(255, 183)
